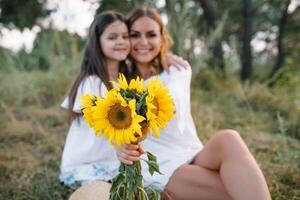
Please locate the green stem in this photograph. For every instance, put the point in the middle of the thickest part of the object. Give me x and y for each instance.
(131, 186)
(138, 167)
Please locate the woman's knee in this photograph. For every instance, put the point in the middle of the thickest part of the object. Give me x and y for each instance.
(228, 135)
(231, 143)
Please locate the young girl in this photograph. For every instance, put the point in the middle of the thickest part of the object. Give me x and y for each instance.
(222, 169)
(87, 157)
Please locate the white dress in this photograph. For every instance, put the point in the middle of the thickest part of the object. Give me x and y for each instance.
(178, 142)
(87, 157)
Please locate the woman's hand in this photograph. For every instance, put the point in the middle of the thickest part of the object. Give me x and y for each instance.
(128, 153)
(173, 60)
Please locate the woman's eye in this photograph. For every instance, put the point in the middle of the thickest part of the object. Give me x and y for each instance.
(134, 35)
(152, 35)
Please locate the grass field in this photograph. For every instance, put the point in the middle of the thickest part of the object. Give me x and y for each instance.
(33, 129)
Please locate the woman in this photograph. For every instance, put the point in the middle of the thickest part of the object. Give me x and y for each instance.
(224, 168)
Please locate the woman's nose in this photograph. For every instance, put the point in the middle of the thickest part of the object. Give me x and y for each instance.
(143, 40)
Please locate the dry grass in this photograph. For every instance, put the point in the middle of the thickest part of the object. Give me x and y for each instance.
(33, 130)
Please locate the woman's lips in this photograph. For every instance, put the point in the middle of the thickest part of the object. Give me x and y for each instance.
(142, 50)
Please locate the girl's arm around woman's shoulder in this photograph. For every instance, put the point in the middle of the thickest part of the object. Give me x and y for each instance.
(181, 75)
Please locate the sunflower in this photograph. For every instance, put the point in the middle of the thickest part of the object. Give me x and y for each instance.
(88, 101)
(135, 84)
(117, 119)
(151, 116)
(160, 106)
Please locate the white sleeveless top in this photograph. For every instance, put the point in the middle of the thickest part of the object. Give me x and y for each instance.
(87, 157)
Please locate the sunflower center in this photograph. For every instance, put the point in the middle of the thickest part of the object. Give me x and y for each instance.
(119, 116)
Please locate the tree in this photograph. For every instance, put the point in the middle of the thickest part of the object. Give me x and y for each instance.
(178, 24)
(123, 6)
(281, 52)
(210, 16)
(246, 71)
(21, 15)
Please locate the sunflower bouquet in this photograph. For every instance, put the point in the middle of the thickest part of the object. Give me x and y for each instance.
(121, 116)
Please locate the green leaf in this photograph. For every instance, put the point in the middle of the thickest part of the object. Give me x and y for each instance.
(141, 106)
(122, 167)
(151, 157)
(152, 164)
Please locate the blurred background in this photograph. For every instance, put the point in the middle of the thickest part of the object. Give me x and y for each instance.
(245, 58)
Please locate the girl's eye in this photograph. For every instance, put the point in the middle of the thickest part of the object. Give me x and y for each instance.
(112, 37)
(126, 37)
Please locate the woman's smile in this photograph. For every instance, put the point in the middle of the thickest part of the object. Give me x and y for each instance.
(143, 50)
(145, 38)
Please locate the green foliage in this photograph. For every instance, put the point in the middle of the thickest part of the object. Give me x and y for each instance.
(152, 163)
(183, 15)
(39, 88)
(7, 60)
(123, 6)
(292, 38)
(207, 58)
(49, 48)
(22, 15)
(128, 184)
(255, 102)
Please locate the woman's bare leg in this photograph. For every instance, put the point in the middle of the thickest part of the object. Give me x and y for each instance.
(191, 182)
(227, 153)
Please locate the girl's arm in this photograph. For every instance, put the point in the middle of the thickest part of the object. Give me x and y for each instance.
(173, 60)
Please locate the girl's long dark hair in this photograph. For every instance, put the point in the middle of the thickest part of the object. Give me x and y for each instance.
(94, 61)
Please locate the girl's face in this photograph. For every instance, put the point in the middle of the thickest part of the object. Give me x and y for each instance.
(145, 40)
(114, 41)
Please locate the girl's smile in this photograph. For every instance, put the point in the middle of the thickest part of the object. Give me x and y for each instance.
(115, 41)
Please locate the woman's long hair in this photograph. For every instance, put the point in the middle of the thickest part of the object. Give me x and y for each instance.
(94, 61)
(167, 41)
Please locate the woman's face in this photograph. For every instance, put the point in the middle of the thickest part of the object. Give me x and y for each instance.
(145, 40)
(114, 41)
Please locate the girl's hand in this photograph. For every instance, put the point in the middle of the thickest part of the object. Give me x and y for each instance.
(174, 60)
(128, 153)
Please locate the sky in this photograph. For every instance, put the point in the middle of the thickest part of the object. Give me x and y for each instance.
(72, 15)
(75, 16)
